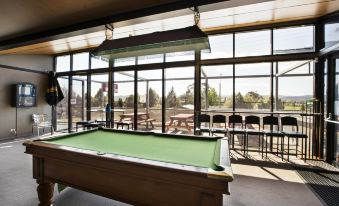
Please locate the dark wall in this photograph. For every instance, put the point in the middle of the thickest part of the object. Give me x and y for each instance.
(8, 117)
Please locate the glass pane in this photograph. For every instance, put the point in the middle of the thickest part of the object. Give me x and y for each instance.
(253, 69)
(62, 107)
(217, 71)
(179, 73)
(296, 67)
(331, 34)
(80, 61)
(123, 76)
(149, 100)
(293, 40)
(63, 63)
(149, 59)
(99, 96)
(217, 86)
(252, 93)
(124, 61)
(221, 47)
(124, 95)
(293, 92)
(99, 62)
(78, 101)
(179, 100)
(180, 56)
(252, 43)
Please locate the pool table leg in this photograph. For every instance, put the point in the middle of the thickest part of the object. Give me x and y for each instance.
(211, 200)
(45, 193)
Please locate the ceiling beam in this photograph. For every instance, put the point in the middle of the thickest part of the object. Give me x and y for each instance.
(97, 24)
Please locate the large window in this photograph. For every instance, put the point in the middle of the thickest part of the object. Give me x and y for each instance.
(293, 39)
(252, 86)
(253, 43)
(239, 87)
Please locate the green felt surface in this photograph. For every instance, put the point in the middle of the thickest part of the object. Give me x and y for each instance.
(195, 152)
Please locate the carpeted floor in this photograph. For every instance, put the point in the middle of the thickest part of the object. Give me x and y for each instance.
(18, 188)
(257, 182)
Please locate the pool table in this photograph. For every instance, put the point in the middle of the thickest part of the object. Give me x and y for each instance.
(140, 168)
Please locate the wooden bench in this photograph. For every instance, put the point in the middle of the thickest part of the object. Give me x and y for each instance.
(146, 121)
(189, 126)
(125, 123)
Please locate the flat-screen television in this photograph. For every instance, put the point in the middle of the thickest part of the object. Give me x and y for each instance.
(24, 95)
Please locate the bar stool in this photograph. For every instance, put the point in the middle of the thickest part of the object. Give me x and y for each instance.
(218, 119)
(271, 132)
(292, 122)
(236, 120)
(253, 120)
(204, 118)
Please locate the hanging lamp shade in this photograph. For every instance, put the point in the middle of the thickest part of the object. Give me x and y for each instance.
(186, 39)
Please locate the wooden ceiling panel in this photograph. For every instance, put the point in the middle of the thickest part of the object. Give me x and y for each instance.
(254, 14)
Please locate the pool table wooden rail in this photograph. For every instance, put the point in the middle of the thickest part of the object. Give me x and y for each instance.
(128, 179)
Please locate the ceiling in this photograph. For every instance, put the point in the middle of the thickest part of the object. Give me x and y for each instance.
(224, 15)
(36, 16)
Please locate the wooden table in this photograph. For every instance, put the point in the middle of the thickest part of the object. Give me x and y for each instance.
(180, 121)
(142, 117)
